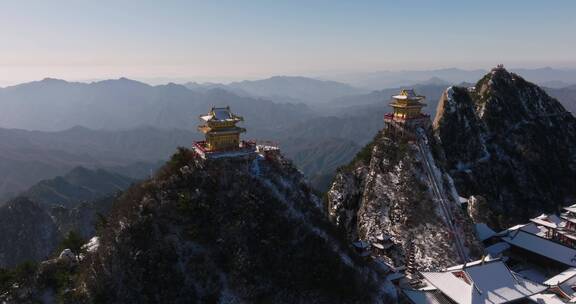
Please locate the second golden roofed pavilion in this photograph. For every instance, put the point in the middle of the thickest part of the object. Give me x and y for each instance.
(407, 104)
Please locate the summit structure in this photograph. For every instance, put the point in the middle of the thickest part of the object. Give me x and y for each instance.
(407, 114)
(220, 129)
(222, 135)
(398, 199)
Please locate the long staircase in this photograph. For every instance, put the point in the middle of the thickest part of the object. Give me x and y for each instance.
(438, 193)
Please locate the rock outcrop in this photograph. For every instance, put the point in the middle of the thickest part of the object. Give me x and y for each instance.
(27, 233)
(33, 224)
(384, 194)
(509, 142)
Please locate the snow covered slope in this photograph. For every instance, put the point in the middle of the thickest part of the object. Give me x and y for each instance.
(387, 192)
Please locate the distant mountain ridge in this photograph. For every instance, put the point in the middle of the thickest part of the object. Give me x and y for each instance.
(309, 90)
(390, 79)
(286, 89)
(170, 112)
(566, 95)
(53, 105)
(26, 157)
(77, 186)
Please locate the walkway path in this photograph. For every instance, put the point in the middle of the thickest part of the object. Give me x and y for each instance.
(438, 193)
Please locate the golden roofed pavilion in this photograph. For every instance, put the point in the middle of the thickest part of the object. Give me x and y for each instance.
(407, 116)
(220, 129)
(407, 105)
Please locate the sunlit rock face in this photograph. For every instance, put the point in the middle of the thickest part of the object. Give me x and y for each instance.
(385, 194)
(509, 142)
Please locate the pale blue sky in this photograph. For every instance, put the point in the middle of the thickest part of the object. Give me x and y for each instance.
(247, 39)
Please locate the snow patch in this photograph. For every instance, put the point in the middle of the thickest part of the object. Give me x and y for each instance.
(92, 245)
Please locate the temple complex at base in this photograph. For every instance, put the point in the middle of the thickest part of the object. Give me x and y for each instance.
(407, 114)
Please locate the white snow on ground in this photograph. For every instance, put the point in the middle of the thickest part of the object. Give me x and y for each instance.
(67, 254)
(92, 244)
(450, 106)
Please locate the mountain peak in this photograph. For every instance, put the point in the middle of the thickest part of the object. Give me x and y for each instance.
(212, 230)
(122, 81)
(508, 141)
(501, 94)
(500, 73)
(435, 81)
(52, 80)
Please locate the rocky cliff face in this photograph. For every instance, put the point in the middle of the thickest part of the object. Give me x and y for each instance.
(30, 232)
(222, 231)
(385, 194)
(27, 232)
(509, 142)
(33, 224)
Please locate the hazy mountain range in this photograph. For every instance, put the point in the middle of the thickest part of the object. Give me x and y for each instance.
(566, 95)
(549, 77)
(26, 157)
(77, 186)
(53, 105)
(284, 88)
(129, 126)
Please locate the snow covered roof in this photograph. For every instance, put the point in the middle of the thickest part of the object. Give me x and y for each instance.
(543, 220)
(484, 232)
(571, 208)
(565, 281)
(470, 264)
(542, 246)
(426, 296)
(546, 298)
(220, 114)
(407, 94)
(488, 282)
(530, 227)
(569, 219)
(561, 277)
(550, 221)
(453, 287)
(496, 249)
